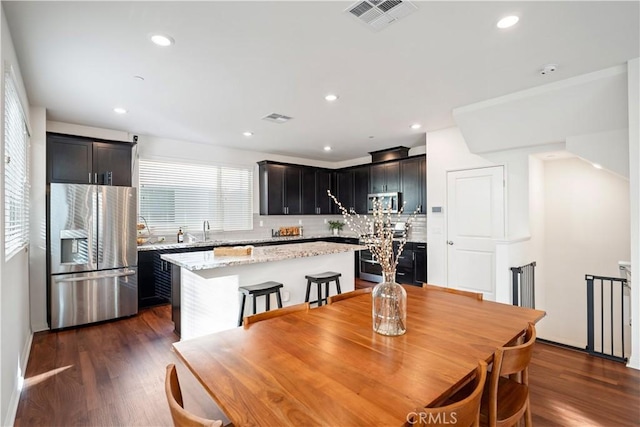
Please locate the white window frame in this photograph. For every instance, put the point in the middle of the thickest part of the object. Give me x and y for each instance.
(174, 195)
(16, 168)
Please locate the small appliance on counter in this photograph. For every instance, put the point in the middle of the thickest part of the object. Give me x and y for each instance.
(287, 232)
(91, 248)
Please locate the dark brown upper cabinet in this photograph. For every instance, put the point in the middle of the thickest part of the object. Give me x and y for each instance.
(352, 188)
(361, 188)
(80, 160)
(315, 183)
(385, 177)
(413, 184)
(280, 188)
(296, 189)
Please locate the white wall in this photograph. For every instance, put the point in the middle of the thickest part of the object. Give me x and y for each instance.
(586, 232)
(634, 195)
(446, 151)
(537, 229)
(38, 221)
(15, 333)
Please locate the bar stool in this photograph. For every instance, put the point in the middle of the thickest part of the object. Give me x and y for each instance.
(261, 289)
(319, 279)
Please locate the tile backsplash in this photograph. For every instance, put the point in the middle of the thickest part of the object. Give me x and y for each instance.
(312, 225)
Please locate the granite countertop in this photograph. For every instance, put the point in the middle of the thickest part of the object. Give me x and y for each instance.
(205, 260)
(230, 242)
(239, 242)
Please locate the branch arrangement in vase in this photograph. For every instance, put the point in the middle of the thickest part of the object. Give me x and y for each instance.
(376, 231)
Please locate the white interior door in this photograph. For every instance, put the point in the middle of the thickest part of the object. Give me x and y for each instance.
(475, 220)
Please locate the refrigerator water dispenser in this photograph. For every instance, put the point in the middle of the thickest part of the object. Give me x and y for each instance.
(74, 247)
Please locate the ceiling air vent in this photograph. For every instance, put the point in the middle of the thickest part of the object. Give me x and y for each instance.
(277, 118)
(379, 14)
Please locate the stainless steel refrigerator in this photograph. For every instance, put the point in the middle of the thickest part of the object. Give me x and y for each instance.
(92, 253)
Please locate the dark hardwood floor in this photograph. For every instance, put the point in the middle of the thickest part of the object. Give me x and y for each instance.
(112, 374)
(109, 374)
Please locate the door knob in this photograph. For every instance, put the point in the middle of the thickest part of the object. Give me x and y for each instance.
(449, 242)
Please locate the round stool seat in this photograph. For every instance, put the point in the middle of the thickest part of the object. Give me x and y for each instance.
(261, 289)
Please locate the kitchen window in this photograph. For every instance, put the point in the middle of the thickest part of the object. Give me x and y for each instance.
(16, 171)
(174, 195)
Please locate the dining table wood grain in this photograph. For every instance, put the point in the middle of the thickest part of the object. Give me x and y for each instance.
(326, 366)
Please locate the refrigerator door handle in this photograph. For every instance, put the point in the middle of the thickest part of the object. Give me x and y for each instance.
(103, 276)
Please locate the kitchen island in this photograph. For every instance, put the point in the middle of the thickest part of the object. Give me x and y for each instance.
(205, 295)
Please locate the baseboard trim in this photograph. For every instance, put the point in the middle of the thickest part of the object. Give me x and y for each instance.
(12, 408)
(559, 344)
(634, 363)
(40, 328)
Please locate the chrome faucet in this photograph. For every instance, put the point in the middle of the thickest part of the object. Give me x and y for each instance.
(205, 227)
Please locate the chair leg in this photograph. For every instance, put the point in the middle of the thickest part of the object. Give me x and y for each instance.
(267, 303)
(319, 287)
(327, 289)
(338, 285)
(244, 298)
(254, 303)
(279, 297)
(306, 298)
(528, 421)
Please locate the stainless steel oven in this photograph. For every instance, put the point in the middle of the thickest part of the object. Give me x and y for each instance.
(369, 268)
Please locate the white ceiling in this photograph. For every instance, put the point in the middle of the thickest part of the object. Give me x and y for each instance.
(235, 62)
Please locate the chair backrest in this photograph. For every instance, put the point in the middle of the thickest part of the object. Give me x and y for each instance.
(515, 359)
(463, 413)
(514, 362)
(340, 297)
(181, 417)
(248, 320)
(476, 295)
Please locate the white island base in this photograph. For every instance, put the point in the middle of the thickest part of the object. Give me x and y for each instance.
(210, 300)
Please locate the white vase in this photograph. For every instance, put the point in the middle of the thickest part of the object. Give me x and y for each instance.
(336, 231)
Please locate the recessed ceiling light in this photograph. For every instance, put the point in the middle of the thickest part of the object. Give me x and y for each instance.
(331, 97)
(416, 126)
(597, 165)
(247, 133)
(327, 148)
(508, 21)
(120, 110)
(162, 40)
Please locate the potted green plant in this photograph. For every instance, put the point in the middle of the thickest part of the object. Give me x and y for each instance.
(336, 226)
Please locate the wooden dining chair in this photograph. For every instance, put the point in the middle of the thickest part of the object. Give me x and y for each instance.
(181, 417)
(345, 295)
(249, 320)
(476, 295)
(506, 396)
(462, 413)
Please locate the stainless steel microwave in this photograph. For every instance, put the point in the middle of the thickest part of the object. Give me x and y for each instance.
(391, 202)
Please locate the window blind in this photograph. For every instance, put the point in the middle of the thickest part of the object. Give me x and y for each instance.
(16, 172)
(174, 195)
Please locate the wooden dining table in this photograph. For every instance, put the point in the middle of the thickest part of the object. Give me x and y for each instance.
(326, 366)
